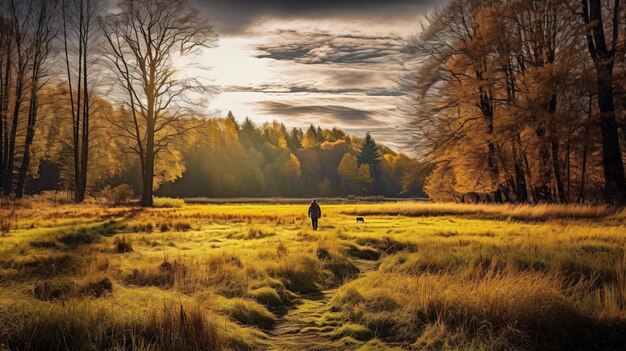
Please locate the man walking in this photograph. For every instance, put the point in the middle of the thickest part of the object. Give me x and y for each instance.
(315, 212)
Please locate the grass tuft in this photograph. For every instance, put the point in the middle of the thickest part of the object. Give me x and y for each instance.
(53, 289)
(123, 244)
(98, 287)
(249, 313)
(167, 202)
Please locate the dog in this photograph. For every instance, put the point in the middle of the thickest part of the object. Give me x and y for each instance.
(360, 219)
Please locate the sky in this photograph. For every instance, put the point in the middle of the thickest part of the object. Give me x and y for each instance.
(324, 62)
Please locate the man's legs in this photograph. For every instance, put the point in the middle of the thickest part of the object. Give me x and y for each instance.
(314, 222)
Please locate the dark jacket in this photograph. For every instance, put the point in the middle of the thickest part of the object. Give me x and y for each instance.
(314, 210)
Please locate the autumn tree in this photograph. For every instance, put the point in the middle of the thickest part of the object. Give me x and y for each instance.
(357, 178)
(498, 92)
(454, 91)
(311, 139)
(144, 37)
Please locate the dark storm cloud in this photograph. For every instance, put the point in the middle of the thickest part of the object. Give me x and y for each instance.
(351, 77)
(342, 115)
(236, 15)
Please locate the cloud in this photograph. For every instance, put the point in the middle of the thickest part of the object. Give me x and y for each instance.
(327, 62)
(296, 88)
(322, 47)
(323, 114)
(235, 16)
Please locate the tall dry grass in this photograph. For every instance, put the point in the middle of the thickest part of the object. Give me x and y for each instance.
(501, 310)
(490, 211)
(87, 325)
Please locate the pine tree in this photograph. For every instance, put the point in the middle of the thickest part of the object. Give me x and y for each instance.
(232, 118)
(251, 136)
(370, 156)
(295, 139)
(311, 139)
(320, 134)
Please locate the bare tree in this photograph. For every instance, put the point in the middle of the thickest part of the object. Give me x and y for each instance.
(145, 37)
(42, 33)
(18, 58)
(28, 30)
(79, 33)
(6, 61)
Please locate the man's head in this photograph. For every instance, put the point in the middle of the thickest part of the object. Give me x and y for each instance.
(314, 200)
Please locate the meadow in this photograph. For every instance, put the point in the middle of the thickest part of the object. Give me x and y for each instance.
(414, 276)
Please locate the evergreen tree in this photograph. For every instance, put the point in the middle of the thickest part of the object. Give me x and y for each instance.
(232, 119)
(251, 137)
(311, 139)
(336, 134)
(295, 139)
(370, 156)
(320, 134)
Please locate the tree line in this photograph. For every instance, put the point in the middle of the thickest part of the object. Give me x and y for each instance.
(225, 158)
(521, 100)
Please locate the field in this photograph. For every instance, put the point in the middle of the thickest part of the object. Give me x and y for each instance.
(414, 276)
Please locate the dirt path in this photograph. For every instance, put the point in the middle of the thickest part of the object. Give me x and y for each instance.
(310, 326)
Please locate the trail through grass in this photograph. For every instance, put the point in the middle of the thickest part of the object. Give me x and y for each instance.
(312, 325)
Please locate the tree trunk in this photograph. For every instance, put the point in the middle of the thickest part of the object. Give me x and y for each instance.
(7, 181)
(78, 186)
(84, 152)
(5, 91)
(568, 161)
(554, 150)
(560, 189)
(520, 192)
(604, 59)
(581, 189)
(542, 190)
(487, 110)
(148, 176)
(614, 188)
(30, 135)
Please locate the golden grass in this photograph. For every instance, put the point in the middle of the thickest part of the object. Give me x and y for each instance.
(490, 211)
(414, 276)
(512, 309)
